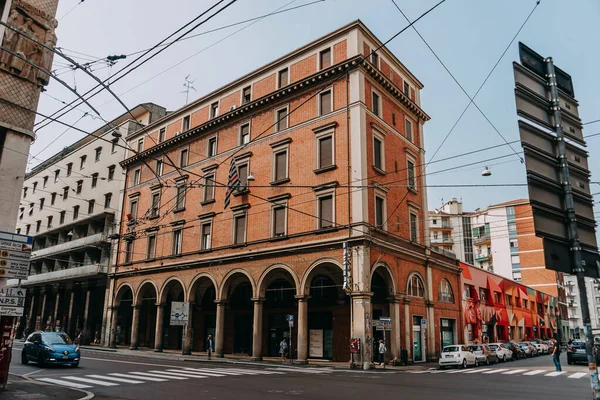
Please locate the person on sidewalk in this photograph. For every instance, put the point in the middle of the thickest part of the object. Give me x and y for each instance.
(283, 349)
(209, 346)
(556, 354)
(382, 350)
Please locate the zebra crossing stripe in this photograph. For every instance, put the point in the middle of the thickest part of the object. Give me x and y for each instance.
(112, 378)
(179, 375)
(63, 383)
(458, 371)
(535, 372)
(143, 378)
(421, 372)
(514, 371)
(578, 375)
(87, 380)
(495, 371)
(556, 373)
(220, 371)
(303, 370)
(159, 375)
(476, 371)
(253, 371)
(186, 372)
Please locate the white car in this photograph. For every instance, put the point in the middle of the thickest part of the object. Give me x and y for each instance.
(541, 347)
(459, 355)
(502, 351)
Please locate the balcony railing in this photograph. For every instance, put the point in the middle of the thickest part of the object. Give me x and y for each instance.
(482, 239)
(71, 245)
(442, 241)
(65, 274)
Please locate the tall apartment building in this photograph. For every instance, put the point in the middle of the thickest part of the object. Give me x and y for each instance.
(71, 204)
(296, 132)
(20, 87)
(504, 242)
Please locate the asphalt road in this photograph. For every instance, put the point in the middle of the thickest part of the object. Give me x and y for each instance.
(112, 376)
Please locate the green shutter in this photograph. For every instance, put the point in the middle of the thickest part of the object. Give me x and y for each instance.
(487, 228)
(475, 232)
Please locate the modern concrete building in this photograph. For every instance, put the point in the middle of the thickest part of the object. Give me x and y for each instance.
(314, 137)
(71, 204)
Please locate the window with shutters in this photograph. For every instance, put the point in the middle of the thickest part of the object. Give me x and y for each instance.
(25, 192)
(406, 88)
(239, 228)
(414, 226)
(278, 220)
(155, 205)
(159, 167)
(111, 173)
(408, 129)
(209, 188)
(45, 182)
(242, 168)
(205, 235)
(185, 125)
(94, 180)
(137, 176)
(246, 95)
(140, 145)
(280, 165)
(42, 200)
(98, 154)
(325, 211)
(62, 217)
(128, 251)
(411, 174)
(281, 119)
(79, 187)
(75, 212)
(114, 145)
(325, 58)
(325, 102)
(376, 104)
(325, 150)
(162, 135)
(183, 158)
(38, 224)
(82, 160)
(65, 193)
(27, 229)
(211, 150)
(34, 187)
(21, 212)
(214, 109)
(133, 208)
(378, 151)
(56, 175)
(31, 205)
(69, 168)
(177, 241)
(91, 204)
(282, 78)
(151, 248)
(245, 133)
(180, 197)
(380, 210)
(107, 200)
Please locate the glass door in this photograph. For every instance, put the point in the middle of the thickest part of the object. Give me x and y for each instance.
(417, 339)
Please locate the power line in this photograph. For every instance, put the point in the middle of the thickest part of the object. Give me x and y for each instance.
(69, 12)
(591, 122)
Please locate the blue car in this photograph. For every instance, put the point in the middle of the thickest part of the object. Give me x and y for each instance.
(46, 348)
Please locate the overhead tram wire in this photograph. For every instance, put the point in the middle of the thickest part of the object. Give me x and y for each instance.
(146, 53)
(69, 12)
(423, 170)
(472, 99)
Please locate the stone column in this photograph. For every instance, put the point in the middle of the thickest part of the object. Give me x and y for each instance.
(257, 337)
(187, 338)
(113, 327)
(302, 330)
(158, 335)
(394, 304)
(407, 328)
(31, 321)
(362, 323)
(430, 334)
(42, 322)
(86, 311)
(134, 327)
(69, 327)
(220, 328)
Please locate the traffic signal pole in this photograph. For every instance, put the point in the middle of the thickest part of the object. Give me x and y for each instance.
(578, 267)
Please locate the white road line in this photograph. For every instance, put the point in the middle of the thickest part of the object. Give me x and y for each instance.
(159, 375)
(92, 381)
(173, 374)
(495, 371)
(555, 373)
(63, 383)
(219, 371)
(535, 372)
(186, 372)
(253, 371)
(144, 378)
(301, 370)
(421, 372)
(513, 371)
(112, 378)
(475, 371)
(458, 371)
(578, 375)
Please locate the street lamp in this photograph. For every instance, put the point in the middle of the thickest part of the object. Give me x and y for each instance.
(486, 171)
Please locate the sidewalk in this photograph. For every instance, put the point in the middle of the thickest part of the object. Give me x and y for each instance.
(234, 359)
(19, 389)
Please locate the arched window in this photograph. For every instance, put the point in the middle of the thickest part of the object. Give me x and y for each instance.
(416, 288)
(445, 293)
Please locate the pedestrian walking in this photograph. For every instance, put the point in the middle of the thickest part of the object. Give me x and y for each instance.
(382, 350)
(209, 346)
(556, 354)
(283, 349)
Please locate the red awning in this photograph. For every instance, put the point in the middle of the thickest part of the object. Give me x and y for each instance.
(517, 315)
(528, 319)
(501, 316)
(493, 286)
(465, 271)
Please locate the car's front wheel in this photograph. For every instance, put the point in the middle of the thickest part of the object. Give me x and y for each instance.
(477, 362)
(487, 361)
(24, 359)
(75, 365)
(464, 363)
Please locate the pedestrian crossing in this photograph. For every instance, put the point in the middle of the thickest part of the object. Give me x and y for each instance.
(160, 375)
(507, 371)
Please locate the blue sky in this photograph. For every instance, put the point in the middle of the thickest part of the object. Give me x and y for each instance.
(468, 35)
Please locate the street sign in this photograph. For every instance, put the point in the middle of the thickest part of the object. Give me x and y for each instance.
(382, 325)
(12, 302)
(289, 317)
(536, 63)
(180, 311)
(385, 319)
(15, 252)
(423, 321)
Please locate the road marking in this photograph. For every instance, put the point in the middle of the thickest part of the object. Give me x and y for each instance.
(92, 381)
(303, 370)
(186, 372)
(421, 372)
(475, 371)
(556, 373)
(178, 375)
(537, 371)
(111, 378)
(458, 371)
(63, 383)
(514, 371)
(495, 371)
(144, 378)
(578, 375)
(220, 371)
(159, 375)
(255, 371)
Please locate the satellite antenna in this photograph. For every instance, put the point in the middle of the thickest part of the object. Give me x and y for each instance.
(188, 85)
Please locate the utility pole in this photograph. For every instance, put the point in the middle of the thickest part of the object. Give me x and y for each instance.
(188, 86)
(578, 267)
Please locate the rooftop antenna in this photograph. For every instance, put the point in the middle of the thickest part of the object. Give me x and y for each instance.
(188, 85)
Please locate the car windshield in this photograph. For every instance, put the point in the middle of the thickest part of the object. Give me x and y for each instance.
(578, 344)
(475, 348)
(493, 347)
(57, 338)
(523, 344)
(450, 349)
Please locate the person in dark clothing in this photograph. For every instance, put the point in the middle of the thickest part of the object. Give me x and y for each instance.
(556, 354)
(209, 346)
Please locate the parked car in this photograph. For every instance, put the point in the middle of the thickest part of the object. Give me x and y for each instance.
(50, 348)
(459, 355)
(576, 352)
(517, 351)
(541, 347)
(529, 350)
(502, 351)
(484, 353)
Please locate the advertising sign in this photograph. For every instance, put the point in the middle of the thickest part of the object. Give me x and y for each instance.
(315, 343)
(15, 251)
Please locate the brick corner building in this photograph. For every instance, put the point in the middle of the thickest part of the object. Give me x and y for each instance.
(327, 142)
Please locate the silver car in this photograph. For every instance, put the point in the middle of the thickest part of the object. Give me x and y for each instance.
(484, 353)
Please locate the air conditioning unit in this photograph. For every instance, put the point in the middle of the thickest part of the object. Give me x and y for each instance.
(233, 107)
